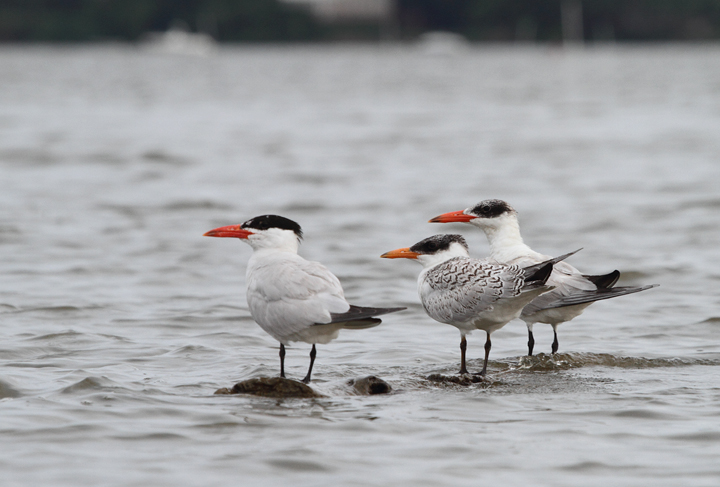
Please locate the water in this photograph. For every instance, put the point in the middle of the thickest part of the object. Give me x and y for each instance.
(119, 320)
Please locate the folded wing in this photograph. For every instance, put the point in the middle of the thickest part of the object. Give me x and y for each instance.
(581, 297)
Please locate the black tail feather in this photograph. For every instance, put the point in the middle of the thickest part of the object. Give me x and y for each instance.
(605, 281)
(539, 276)
(530, 270)
(361, 314)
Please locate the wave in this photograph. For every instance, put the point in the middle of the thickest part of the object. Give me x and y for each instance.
(8, 390)
(574, 360)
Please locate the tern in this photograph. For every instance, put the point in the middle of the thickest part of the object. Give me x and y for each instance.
(472, 294)
(291, 298)
(573, 291)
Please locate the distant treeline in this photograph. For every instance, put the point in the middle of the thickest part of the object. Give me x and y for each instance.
(129, 20)
(277, 21)
(541, 19)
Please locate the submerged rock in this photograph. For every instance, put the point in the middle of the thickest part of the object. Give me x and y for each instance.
(270, 387)
(370, 385)
(6, 390)
(463, 380)
(87, 383)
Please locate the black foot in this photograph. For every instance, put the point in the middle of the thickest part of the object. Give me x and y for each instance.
(531, 343)
(282, 360)
(463, 348)
(313, 352)
(488, 346)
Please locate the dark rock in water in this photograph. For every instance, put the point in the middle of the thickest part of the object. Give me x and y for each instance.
(545, 362)
(271, 387)
(86, 384)
(6, 390)
(370, 385)
(463, 380)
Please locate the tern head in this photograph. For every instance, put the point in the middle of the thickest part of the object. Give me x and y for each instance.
(432, 250)
(264, 232)
(487, 215)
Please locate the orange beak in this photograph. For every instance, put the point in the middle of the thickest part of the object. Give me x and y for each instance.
(453, 216)
(233, 231)
(404, 253)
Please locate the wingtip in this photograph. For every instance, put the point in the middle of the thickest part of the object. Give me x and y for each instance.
(592, 296)
(390, 310)
(569, 254)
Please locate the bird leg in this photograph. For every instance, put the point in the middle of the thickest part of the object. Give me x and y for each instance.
(555, 344)
(488, 346)
(531, 343)
(282, 360)
(463, 347)
(313, 352)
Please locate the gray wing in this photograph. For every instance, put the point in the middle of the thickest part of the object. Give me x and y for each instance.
(287, 294)
(458, 290)
(592, 296)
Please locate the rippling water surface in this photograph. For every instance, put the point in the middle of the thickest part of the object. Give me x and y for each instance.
(119, 320)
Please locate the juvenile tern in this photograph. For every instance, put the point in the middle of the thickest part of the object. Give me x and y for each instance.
(472, 294)
(293, 299)
(573, 291)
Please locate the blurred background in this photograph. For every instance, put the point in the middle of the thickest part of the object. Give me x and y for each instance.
(368, 20)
